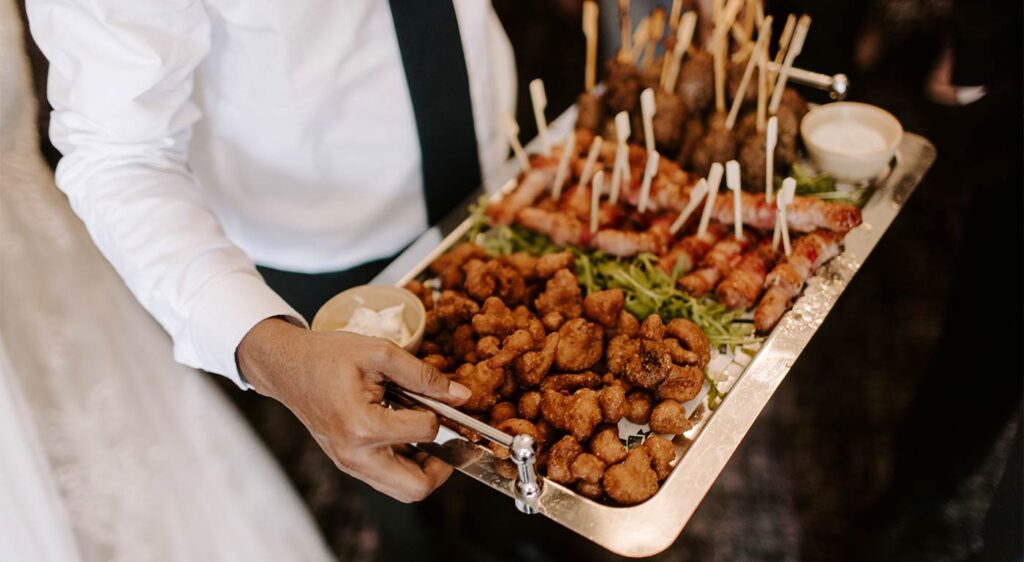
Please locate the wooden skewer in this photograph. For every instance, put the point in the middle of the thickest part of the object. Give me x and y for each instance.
(563, 166)
(595, 199)
(714, 181)
(784, 39)
(640, 36)
(539, 99)
(771, 137)
(781, 220)
(696, 194)
(762, 81)
(748, 18)
(739, 35)
(588, 166)
(512, 130)
(673, 16)
(795, 46)
(626, 28)
(620, 168)
(655, 31)
(590, 32)
(721, 46)
(759, 13)
(737, 101)
(650, 170)
(687, 26)
(647, 111)
(732, 181)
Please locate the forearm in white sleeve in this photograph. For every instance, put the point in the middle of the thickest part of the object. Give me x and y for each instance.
(120, 82)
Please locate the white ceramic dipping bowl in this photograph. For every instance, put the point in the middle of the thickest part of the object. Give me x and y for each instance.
(851, 141)
(336, 312)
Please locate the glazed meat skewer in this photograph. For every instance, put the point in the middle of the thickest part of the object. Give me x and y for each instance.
(741, 288)
(785, 282)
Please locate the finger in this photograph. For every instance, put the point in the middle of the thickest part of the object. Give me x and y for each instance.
(391, 427)
(415, 375)
(400, 477)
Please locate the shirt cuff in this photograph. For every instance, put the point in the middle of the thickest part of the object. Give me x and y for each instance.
(223, 314)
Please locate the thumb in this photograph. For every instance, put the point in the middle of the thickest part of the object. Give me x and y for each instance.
(412, 374)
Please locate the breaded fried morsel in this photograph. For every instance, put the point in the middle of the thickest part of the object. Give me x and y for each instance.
(580, 345)
(633, 480)
(531, 367)
(607, 446)
(561, 294)
(662, 452)
(578, 413)
(604, 307)
(483, 381)
(669, 416)
(561, 457)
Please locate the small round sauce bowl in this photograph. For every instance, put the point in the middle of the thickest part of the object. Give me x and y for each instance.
(851, 141)
(335, 313)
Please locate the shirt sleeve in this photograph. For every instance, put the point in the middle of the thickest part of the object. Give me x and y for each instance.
(120, 83)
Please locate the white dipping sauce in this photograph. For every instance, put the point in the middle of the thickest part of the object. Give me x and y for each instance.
(848, 137)
(386, 323)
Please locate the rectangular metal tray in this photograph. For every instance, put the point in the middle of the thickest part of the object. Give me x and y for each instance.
(652, 526)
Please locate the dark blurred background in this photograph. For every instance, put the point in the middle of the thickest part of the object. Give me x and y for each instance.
(897, 434)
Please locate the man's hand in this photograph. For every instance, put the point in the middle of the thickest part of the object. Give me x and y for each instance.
(333, 382)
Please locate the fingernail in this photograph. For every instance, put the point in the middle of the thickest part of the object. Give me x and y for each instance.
(459, 391)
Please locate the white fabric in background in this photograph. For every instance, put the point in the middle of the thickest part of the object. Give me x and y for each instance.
(109, 450)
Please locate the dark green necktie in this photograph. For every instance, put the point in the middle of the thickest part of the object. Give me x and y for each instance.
(435, 69)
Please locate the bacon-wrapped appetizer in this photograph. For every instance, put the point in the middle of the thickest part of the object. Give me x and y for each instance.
(740, 289)
(785, 282)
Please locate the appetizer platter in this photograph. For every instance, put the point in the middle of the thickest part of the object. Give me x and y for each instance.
(622, 310)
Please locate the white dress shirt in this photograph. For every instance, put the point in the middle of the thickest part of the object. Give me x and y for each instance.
(200, 136)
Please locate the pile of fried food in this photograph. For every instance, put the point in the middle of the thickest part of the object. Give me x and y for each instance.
(542, 358)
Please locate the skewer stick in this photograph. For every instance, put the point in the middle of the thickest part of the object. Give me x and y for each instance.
(732, 181)
(590, 32)
(673, 16)
(784, 39)
(781, 221)
(650, 170)
(620, 169)
(512, 130)
(762, 81)
(687, 26)
(626, 28)
(647, 110)
(696, 194)
(714, 181)
(737, 101)
(794, 49)
(588, 166)
(640, 36)
(748, 18)
(622, 132)
(562, 173)
(739, 35)
(771, 138)
(595, 199)
(758, 13)
(655, 31)
(540, 101)
(721, 46)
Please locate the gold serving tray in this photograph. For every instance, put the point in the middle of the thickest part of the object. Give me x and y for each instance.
(652, 526)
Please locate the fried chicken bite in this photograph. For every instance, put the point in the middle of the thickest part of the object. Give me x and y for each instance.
(682, 385)
(509, 387)
(532, 366)
(484, 279)
(669, 417)
(604, 307)
(588, 468)
(422, 292)
(453, 309)
(693, 341)
(612, 400)
(449, 266)
(580, 345)
(607, 446)
(578, 413)
(549, 264)
(487, 347)
(639, 404)
(502, 411)
(514, 345)
(525, 320)
(633, 480)
(513, 427)
(529, 405)
(524, 264)
(493, 319)
(552, 321)
(644, 363)
(560, 459)
(571, 382)
(652, 328)
(440, 362)
(561, 294)
(464, 342)
(483, 381)
(662, 453)
(627, 325)
(592, 490)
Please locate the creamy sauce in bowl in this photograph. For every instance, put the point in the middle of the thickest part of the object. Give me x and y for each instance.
(386, 323)
(848, 137)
